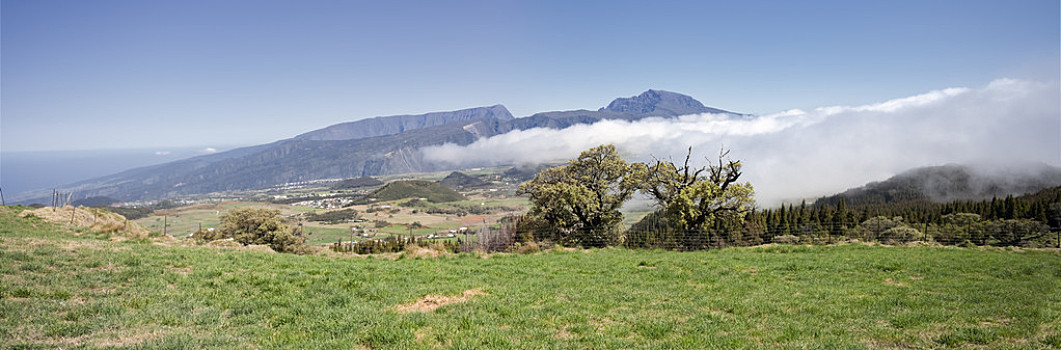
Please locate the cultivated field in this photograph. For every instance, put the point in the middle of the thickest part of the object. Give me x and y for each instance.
(63, 289)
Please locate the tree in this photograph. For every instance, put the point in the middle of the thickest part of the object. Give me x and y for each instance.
(581, 200)
(693, 198)
(259, 226)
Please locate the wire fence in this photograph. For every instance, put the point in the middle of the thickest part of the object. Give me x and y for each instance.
(521, 233)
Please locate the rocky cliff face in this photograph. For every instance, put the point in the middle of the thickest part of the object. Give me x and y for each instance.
(382, 126)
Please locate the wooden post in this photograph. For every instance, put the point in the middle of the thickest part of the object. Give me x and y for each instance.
(72, 211)
(164, 225)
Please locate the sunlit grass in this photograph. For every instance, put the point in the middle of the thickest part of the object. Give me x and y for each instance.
(62, 290)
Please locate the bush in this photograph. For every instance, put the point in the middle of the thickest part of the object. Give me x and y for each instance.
(786, 239)
(524, 248)
(334, 217)
(874, 227)
(899, 234)
(207, 235)
(260, 226)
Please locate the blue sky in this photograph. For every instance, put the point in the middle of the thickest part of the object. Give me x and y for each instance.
(155, 74)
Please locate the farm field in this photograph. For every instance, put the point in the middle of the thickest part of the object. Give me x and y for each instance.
(70, 290)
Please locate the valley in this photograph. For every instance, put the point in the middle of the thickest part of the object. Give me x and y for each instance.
(491, 197)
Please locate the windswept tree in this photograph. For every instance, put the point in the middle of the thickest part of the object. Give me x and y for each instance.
(580, 201)
(692, 198)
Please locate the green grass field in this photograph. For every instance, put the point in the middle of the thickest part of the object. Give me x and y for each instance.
(60, 289)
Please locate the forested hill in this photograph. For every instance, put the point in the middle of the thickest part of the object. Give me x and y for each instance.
(370, 147)
(947, 183)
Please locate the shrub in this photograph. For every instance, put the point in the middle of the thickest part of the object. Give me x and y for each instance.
(207, 235)
(899, 234)
(874, 227)
(260, 226)
(786, 239)
(525, 248)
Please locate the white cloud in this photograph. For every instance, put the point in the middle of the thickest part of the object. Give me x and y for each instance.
(795, 154)
(162, 153)
(208, 150)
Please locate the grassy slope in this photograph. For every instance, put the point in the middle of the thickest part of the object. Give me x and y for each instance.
(70, 291)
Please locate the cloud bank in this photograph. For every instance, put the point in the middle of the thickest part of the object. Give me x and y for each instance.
(797, 154)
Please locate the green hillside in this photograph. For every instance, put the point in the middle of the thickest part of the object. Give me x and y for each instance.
(459, 180)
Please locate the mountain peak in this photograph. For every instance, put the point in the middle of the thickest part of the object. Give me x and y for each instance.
(664, 103)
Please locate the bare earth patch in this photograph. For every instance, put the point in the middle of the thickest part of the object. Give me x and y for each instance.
(432, 302)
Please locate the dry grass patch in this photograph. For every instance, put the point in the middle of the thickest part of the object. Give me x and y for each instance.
(108, 267)
(432, 302)
(119, 338)
(94, 219)
(433, 251)
(563, 333)
(892, 282)
(183, 271)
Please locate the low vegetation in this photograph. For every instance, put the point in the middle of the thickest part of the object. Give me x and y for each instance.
(63, 289)
(430, 191)
(355, 183)
(334, 217)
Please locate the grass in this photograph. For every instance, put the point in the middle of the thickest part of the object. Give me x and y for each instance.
(70, 290)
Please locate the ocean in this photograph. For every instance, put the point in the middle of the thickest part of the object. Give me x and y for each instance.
(36, 170)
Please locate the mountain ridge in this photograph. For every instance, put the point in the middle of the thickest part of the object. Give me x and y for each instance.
(367, 147)
(396, 124)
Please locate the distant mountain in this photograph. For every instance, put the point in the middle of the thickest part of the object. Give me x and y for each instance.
(663, 103)
(381, 126)
(953, 182)
(369, 147)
